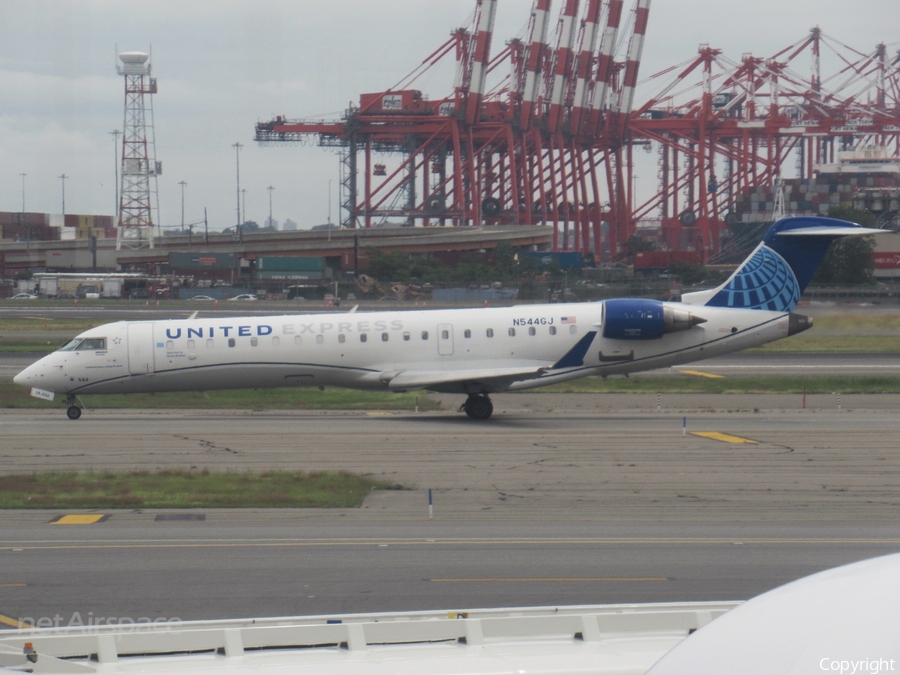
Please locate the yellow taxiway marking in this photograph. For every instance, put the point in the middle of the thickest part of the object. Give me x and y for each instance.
(79, 519)
(725, 438)
(13, 585)
(700, 373)
(543, 579)
(15, 623)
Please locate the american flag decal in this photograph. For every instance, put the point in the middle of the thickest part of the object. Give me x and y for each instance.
(567, 319)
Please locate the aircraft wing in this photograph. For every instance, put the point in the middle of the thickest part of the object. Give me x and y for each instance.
(496, 379)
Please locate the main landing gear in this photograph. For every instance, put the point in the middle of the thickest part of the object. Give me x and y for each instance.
(74, 411)
(478, 407)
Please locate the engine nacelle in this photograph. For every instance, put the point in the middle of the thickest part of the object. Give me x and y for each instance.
(634, 319)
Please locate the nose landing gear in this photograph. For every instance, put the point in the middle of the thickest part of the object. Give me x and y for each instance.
(74, 411)
(478, 407)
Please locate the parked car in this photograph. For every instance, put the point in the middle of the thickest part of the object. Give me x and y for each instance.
(24, 296)
(204, 297)
(244, 296)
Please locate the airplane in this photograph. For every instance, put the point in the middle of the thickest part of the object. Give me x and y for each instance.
(474, 352)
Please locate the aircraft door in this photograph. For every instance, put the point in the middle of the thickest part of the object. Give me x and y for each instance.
(445, 339)
(140, 348)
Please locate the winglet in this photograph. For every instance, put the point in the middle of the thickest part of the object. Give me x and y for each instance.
(575, 356)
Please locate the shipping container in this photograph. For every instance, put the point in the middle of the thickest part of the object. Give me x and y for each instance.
(290, 274)
(565, 259)
(202, 261)
(271, 263)
(665, 259)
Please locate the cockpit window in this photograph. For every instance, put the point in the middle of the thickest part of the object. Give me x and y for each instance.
(84, 345)
(91, 345)
(70, 345)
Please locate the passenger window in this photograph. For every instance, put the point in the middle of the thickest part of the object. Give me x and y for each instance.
(445, 334)
(384, 337)
(363, 337)
(490, 332)
(552, 330)
(254, 341)
(532, 330)
(424, 334)
(298, 340)
(467, 333)
(342, 338)
(276, 341)
(406, 337)
(573, 329)
(191, 344)
(209, 344)
(320, 339)
(169, 344)
(231, 342)
(92, 344)
(512, 332)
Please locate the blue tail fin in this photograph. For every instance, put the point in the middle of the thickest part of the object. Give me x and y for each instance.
(778, 271)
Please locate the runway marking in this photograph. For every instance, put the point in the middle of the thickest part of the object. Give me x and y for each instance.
(79, 519)
(725, 438)
(15, 623)
(700, 373)
(544, 579)
(171, 544)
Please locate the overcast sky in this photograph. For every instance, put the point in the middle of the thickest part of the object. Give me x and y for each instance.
(223, 65)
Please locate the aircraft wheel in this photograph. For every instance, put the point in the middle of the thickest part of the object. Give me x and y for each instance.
(479, 407)
(74, 412)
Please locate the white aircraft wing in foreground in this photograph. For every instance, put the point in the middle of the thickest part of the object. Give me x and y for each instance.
(472, 352)
(844, 620)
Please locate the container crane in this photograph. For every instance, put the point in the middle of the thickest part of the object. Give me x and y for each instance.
(553, 143)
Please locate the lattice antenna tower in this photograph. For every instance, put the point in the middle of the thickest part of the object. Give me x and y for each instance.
(138, 195)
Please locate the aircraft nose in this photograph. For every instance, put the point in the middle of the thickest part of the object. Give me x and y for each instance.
(33, 376)
(25, 377)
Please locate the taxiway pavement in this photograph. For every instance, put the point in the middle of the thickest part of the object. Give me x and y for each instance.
(559, 499)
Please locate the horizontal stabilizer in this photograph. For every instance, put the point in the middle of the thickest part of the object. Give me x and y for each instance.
(829, 231)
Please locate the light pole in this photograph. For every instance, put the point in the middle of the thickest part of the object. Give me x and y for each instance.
(63, 179)
(270, 189)
(237, 151)
(115, 133)
(182, 184)
(23, 191)
(244, 205)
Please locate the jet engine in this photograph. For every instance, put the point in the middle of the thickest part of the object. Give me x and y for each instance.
(634, 319)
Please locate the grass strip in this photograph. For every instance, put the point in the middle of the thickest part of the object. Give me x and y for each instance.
(14, 396)
(186, 489)
(810, 343)
(685, 384)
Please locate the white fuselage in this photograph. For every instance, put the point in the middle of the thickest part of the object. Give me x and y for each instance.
(366, 350)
